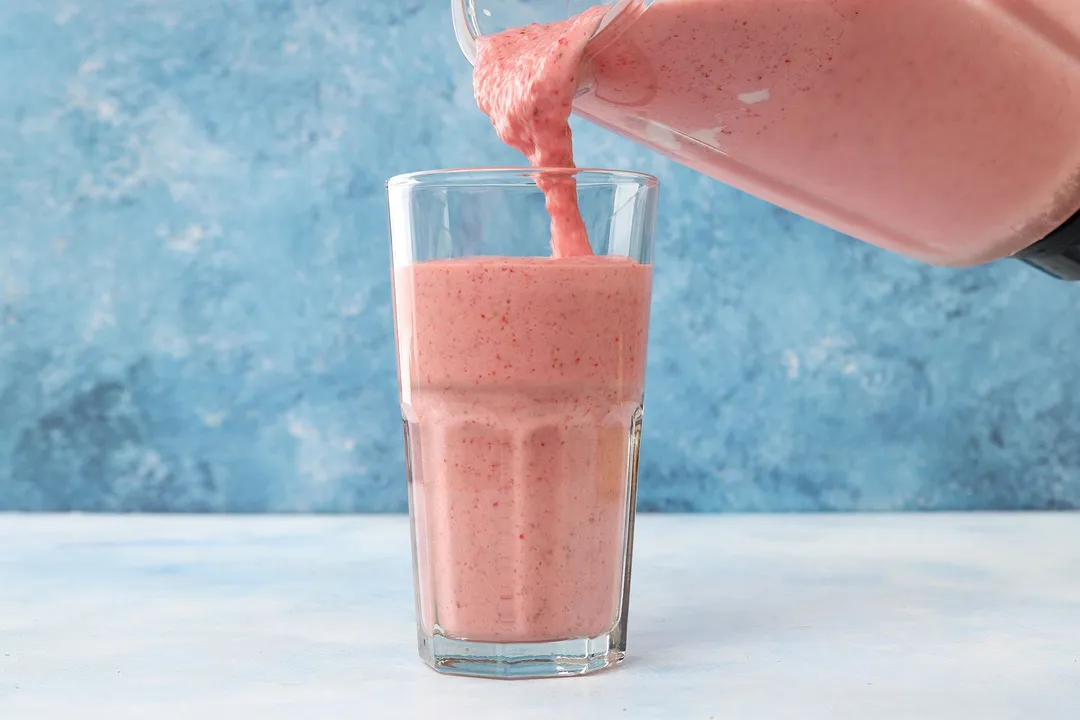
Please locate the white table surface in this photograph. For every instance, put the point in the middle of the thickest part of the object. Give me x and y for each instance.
(733, 617)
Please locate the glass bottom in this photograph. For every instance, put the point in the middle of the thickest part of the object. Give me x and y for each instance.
(521, 661)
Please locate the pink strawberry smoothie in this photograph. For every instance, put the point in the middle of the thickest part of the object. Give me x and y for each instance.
(944, 130)
(522, 382)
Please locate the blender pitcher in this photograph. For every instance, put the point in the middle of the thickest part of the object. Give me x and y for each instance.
(944, 130)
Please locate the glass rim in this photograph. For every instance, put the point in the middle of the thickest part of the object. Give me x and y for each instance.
(518, 176)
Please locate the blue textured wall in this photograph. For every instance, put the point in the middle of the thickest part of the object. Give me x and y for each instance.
(194, 301)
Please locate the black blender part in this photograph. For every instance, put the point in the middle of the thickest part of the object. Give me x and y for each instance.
(1057, 254)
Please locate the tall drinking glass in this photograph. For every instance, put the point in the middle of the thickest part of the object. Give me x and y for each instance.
(522, 380)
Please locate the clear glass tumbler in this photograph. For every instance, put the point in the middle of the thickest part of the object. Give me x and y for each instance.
(522, 382)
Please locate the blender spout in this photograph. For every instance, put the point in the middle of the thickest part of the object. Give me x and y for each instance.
(471, 22)
(463, 13)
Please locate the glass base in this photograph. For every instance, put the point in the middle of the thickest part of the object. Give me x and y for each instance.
(520, 661)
